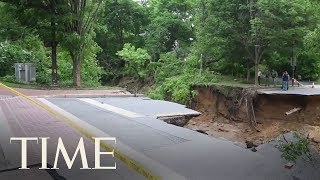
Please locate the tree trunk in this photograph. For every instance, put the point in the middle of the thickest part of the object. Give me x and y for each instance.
(248, 72)
(82, 25)
(76, 69)
(256, 64)
(256, 70)
(54, 66)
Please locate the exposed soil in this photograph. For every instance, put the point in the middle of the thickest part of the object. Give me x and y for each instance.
(225, 114)
(135, 86)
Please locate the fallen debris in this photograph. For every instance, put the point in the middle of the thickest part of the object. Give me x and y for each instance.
(176, 120)
(222, 130)
(289, 165)
(254, 149)
(201, 131)
(292, 111)
(250, 145)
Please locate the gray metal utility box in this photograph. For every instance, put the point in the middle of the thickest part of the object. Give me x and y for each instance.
(25, 72)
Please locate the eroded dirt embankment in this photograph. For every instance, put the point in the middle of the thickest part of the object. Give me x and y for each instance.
(274, 107)
(227, 112)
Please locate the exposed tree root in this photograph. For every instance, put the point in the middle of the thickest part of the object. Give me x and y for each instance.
(246, 98)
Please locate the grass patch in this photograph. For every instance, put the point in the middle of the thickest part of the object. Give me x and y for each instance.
(22, 85)
(229, 81)
(60, 87)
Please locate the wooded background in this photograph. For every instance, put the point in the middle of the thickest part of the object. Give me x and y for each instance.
(172, 43)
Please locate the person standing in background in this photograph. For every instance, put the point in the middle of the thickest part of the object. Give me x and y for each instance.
(285, 81)
(268, 78)
(259, 77)
(299, 79)
(274, 77)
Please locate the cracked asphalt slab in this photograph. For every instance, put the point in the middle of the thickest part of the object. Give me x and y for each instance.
(186, 152)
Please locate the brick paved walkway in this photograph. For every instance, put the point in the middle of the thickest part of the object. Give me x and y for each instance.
(5, 93)
(29, 120)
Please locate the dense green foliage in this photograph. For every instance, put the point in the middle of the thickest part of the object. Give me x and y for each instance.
(25, 50)
(136, 61)
(174, 78)
(173, 43)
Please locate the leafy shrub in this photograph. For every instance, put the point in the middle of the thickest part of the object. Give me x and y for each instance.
(91, 72)
(292, 150)
(10, 54)
(9, 78)
(40, 57)
(136, 61)
(27, 50)
(64, 68)
(308, 66)
(168, 65)
(179, 88)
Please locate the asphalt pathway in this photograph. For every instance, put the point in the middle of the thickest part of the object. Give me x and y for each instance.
(182, 152)
(293, 91)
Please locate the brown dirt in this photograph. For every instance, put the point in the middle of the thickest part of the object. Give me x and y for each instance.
(273, 107)
(135, 86)
(217, 120)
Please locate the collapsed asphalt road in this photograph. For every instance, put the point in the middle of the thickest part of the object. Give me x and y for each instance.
(168, 151)
(189, 154)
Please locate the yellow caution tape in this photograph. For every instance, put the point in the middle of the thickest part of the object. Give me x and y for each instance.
(126, 160)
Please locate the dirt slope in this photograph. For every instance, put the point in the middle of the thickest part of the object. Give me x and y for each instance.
(224, 114)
